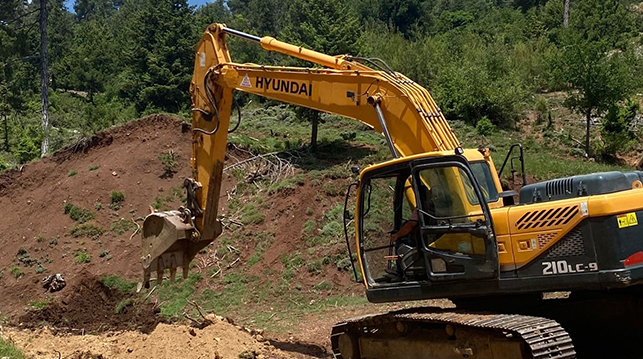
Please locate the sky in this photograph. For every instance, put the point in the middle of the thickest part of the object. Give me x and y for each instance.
(70, 3)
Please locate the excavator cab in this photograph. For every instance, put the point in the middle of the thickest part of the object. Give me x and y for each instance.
(453, 237)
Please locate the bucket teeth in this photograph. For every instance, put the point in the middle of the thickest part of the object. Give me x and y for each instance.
(160, 273)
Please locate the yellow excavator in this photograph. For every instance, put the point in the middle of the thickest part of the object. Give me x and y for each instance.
(433, 222)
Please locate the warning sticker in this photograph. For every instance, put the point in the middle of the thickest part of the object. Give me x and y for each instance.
(627, 220)
(246, 82)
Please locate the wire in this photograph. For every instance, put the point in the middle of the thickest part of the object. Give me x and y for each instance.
(238, 113)
(212, 103)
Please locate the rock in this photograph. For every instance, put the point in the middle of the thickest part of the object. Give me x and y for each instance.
(192, 332)
(53, 283)
(114, 173)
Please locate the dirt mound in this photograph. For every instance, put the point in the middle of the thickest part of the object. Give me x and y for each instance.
(92, 307)
(38, 238)
(220, 340)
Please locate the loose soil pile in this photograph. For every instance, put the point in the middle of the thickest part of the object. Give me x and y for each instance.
(93, 307)
(221, 340)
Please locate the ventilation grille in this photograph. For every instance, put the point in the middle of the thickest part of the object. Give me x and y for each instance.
(544, 239)
(570, 246)
(547, 217)
(559, 187)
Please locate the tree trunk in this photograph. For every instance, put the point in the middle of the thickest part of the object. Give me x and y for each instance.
(6, 134)
(566, 14)
(313, 135)
(44, 79)
(589, 118)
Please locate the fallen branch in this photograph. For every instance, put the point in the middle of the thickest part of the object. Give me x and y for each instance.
(150, 293)
(233, 263)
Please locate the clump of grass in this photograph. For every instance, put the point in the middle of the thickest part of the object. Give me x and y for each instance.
(255, 258)
(81, 256)
(8, 350)
(169, 162)
(117, 199)
(121, 284)
(41, 269)
(72, 174)
(120, 308)
(78, 214)
(98, 206)
(251, 215)
(333, 189)
(40, 304)
(86, 230)
(309, 227)
(53, 242)
(174, 296)
(93, 167)
(16, 271)
(314, 267)
(287, 185)
(121, 226)
(322, 286)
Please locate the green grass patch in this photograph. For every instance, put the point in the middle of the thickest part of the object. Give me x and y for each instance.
(93, 167)
(121, 284)
(81, 256)
(8, 350)
(251, 215)
(121, 226)
(174, 296)
(287, 185)
(89, 230)
(72, 174)
(120, 308)
(117, 198)
(40, 304)
(16, 272)
(78, 214)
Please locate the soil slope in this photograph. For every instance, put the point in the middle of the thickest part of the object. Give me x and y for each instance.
(35, 232)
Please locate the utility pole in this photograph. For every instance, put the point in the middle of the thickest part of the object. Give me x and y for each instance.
(566, 13)
(44, 79)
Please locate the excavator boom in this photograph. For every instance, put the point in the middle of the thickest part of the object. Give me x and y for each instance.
(388, 102)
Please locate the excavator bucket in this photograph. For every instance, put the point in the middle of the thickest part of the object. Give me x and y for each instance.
(168, 244)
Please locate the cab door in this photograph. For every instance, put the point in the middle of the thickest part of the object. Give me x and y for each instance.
(456, 229)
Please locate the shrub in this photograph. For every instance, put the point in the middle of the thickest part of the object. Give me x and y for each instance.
(484, 127)
(169, 161)
(615, 130)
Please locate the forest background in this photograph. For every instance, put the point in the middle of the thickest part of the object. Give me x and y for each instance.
(485, 62)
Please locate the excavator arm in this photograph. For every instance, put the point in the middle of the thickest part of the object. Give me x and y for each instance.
(390, 103)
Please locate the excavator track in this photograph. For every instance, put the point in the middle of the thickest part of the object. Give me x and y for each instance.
(538, 337)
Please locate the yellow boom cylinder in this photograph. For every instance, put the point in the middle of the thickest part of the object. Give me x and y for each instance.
(272, 44)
